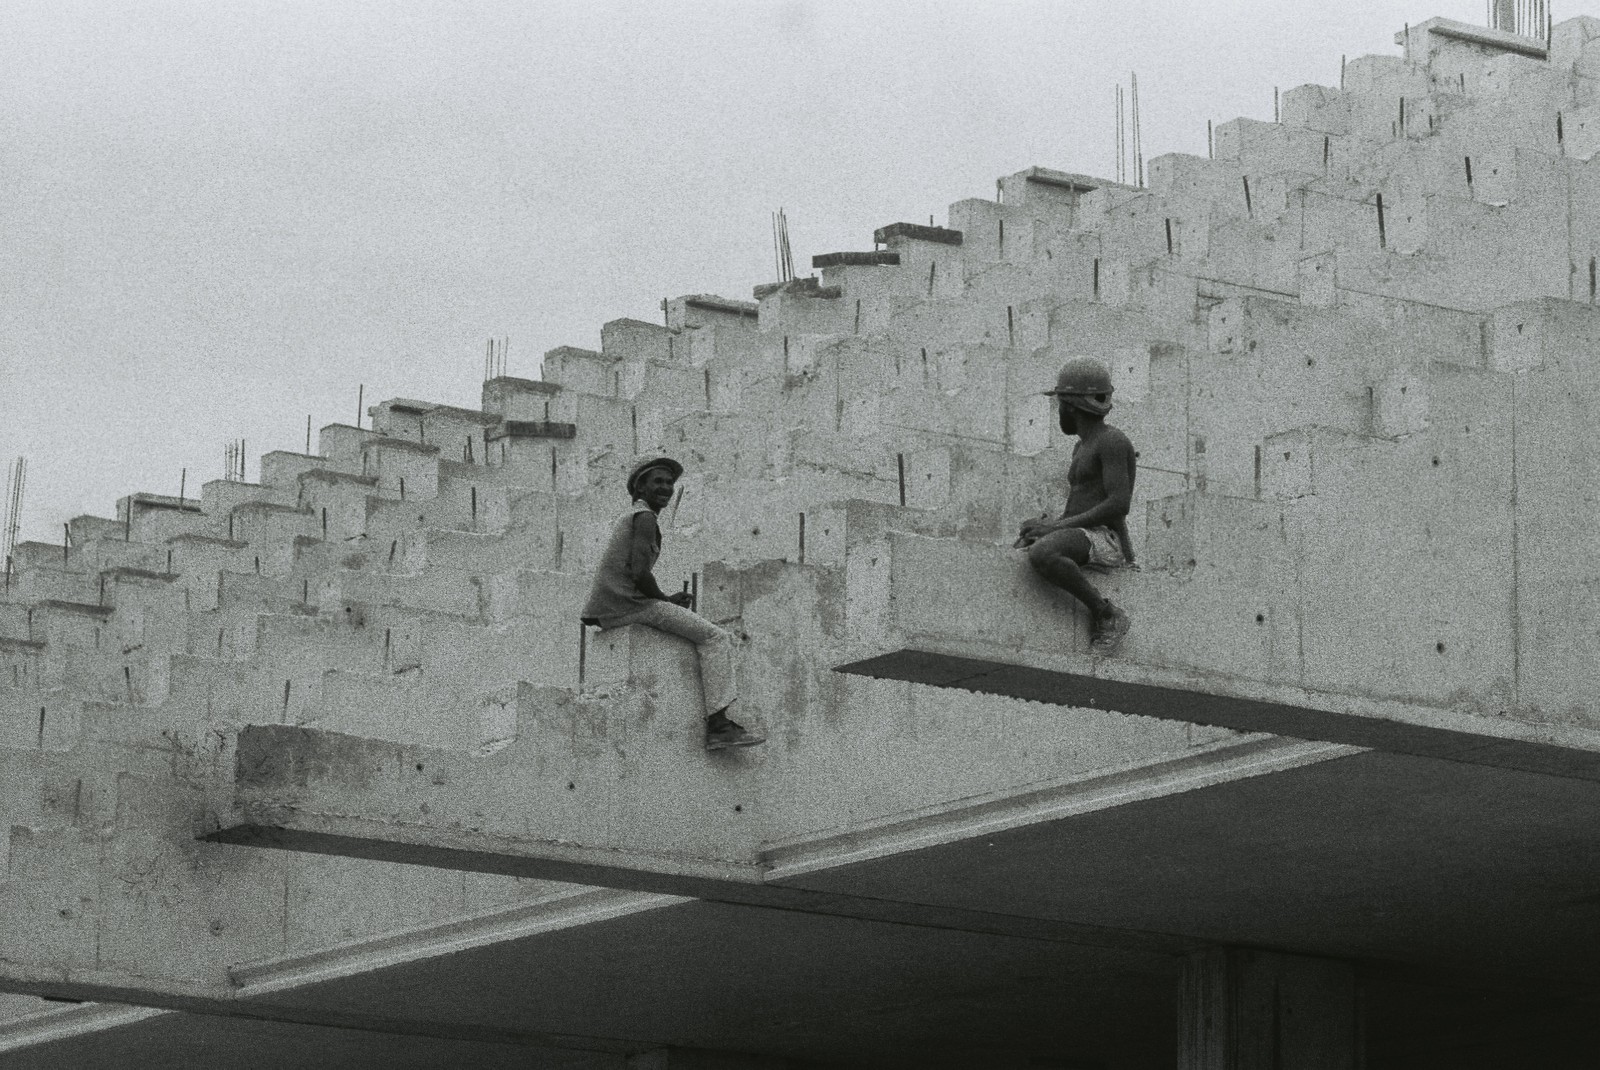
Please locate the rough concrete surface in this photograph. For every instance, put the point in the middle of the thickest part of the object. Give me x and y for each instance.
(325, 771)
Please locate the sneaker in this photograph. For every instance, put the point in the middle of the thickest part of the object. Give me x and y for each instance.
(1108, 629)
(726, 733)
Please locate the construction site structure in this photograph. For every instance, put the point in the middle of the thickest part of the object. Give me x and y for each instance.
(323, 770)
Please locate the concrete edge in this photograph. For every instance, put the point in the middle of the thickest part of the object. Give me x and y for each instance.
(580, 906)
(1196, 697)
(68, 1022)
(1253, 756)
(285, 828)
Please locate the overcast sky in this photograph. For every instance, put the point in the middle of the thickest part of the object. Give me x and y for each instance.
(217, 218)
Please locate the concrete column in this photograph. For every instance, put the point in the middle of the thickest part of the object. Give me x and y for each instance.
(1259, 1010)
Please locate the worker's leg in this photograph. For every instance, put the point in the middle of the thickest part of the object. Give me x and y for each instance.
(1059, 557)
(718, 681)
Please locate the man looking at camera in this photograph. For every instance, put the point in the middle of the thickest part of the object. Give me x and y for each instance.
(625, 592)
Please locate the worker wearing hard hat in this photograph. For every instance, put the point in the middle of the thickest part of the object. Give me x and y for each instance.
(625, 592)
(1093, 529)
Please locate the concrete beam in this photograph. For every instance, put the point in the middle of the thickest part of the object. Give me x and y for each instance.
(310, 791)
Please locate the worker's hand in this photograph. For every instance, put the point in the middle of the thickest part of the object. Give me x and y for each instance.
(682, 598)
(1032, 531)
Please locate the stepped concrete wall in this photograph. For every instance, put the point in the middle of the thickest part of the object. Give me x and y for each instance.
(1361, 386)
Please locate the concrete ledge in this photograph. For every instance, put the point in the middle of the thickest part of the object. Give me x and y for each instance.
(807, 287)
(85, 608)
(385, 443)
(712, 303)
(1499, 40)
(468, 852)
(124, 572)
(1045, 176)
(872, 259)
(531, 429)
(1327, 718)
(9, 645)
(207, 540)
(164, 501)
(916, 232)
(64, 1022)
(328, 475)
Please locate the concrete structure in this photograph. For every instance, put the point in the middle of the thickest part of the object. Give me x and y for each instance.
(324, 771)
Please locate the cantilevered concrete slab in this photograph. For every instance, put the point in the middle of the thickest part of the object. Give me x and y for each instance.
(1293, 712)
(1428, 862)
(1012, 855)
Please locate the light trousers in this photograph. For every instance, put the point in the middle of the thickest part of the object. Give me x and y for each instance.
(718, 682)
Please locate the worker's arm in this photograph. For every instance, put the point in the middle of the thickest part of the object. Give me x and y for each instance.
(640, 552)
(1116, 478)
(1117, 460)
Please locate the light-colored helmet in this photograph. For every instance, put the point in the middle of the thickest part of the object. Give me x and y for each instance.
(1084, 383)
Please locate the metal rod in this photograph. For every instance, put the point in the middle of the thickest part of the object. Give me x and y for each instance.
(1121, 174)
(361, 392)
(1138, 143)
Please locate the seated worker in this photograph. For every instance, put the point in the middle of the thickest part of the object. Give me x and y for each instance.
(1093, 529)
(625, 592)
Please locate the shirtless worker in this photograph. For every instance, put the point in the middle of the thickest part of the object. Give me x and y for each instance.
(1093, 529)
(625, 592)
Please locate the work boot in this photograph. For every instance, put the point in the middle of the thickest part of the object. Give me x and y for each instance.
(721, 733)
(1109, 626)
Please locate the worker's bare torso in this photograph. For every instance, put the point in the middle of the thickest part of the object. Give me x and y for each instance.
(1104, 457)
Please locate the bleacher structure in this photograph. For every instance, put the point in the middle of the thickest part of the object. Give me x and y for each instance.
(324, 771)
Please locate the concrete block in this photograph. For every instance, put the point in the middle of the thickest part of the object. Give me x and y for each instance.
(282, 469)
(538, 593)
(337, 501)
(403, 469)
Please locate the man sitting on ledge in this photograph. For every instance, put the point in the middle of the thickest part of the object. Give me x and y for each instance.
(1093, 530)
(625, 592)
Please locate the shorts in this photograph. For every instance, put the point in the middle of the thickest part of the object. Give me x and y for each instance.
(1105, 549)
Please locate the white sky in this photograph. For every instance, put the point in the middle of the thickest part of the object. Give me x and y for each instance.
(219, 218)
